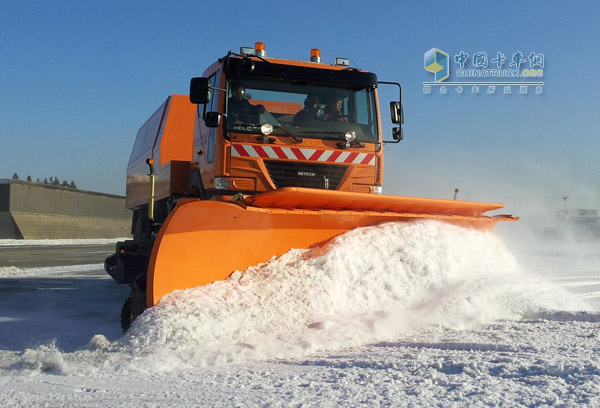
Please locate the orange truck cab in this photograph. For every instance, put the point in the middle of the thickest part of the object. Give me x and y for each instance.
(266, 123)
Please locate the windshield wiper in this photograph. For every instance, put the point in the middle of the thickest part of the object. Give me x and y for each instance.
(286, 133)
(252, 128)
(338, 136)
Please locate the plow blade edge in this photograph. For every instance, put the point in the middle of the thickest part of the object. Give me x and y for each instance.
(205, 241)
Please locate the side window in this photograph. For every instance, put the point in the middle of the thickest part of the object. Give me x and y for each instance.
(213, 106)
(365, 110)
(362, 107)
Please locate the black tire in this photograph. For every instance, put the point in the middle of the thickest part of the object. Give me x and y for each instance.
(110, 264)
(126, 315)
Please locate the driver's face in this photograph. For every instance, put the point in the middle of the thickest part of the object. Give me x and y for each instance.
(238, 93)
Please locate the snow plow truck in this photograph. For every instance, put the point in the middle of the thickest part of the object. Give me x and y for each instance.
(263, 155)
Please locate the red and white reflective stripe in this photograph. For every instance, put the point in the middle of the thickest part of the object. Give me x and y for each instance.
(296, 153)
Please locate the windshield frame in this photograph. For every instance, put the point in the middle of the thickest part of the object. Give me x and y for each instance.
(279, 100)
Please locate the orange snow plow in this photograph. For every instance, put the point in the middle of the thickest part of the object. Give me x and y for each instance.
(264, 155)
(205, 241)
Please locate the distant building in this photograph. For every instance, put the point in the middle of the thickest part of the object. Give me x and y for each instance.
(43, 211)
(580, 215)
(581, 222)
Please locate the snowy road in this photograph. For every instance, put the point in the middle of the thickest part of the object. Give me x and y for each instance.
(30, 253)
(433, 316)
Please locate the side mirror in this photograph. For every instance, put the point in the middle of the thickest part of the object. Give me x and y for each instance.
(397, 115)
(396, 112)
(397, 134)
(199, 91)
(212, 119)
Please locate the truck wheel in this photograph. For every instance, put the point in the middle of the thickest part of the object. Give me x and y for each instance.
(126, 315)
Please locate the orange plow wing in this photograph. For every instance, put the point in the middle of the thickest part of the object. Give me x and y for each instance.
(205, 241)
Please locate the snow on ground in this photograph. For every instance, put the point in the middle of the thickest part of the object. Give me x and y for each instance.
(421, 314)
(50, 271)
(62, 242)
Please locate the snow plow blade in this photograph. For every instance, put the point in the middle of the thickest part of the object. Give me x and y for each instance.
(205, 241)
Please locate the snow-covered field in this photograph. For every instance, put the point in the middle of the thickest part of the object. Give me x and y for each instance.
(420, 315)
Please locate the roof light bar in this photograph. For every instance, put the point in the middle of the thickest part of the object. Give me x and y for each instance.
(315, 55)
(259, 48)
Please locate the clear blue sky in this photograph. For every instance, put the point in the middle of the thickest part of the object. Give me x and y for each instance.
(78, 78)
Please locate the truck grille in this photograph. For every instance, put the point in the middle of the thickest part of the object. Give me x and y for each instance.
(311, 175)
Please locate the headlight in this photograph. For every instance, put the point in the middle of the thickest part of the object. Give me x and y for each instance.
(350, 136)
(266, 129)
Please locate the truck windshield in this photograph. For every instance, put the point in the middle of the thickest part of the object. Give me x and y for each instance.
(301, 110)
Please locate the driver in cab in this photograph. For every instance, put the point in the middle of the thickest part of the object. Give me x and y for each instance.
(310, 112)
(240, 111)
